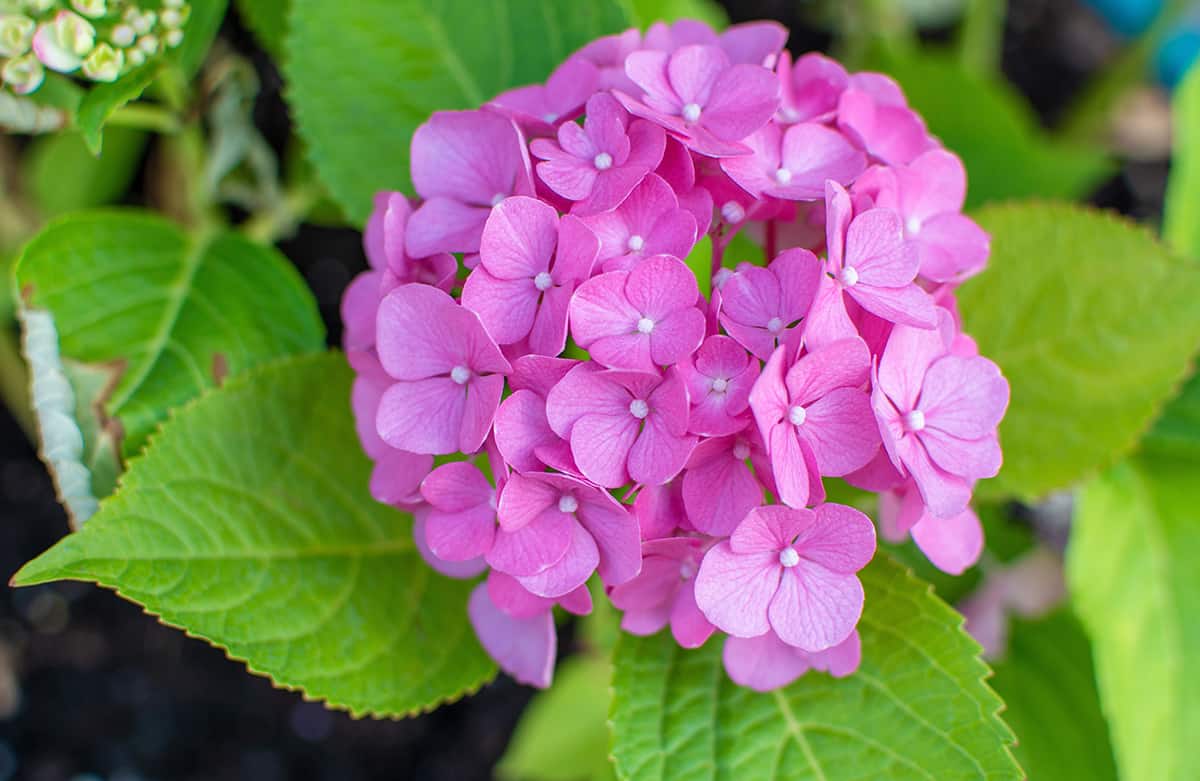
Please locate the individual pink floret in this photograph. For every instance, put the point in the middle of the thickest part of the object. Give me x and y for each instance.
(539, 107)
(701, 98)
(813, 417)
(649, 222)
(530, 263)
(750, 43)
(791, 571)
(765, 663)
(447, 371)
(952, 544)
(639, 319)
(664, 592)
(461, 523)
(938, 415)
(719, 484)
(463, 164)
(523, 434)
(761, 307)
(794, 162)
(599, 164)
(622, 426)
(873, 112)
(809, 90)
(719, 376)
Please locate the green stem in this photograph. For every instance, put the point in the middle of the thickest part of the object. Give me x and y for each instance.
(14, 384)
(146, 116)
(281, 220)
(981, 35)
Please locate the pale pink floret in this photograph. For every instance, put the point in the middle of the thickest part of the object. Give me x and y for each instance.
(555, 531)
(659, 510)
(873, 113)
(719, 485)
(719, 376)
(383, 242)
(810, 89)
(622, 426)
(530, 263)
(791, 571)
(750, 43)
(447, 372)
(871, 262)
(814, 417)
(639, 319)
(766, 663)
(952, 544)
(938, 414)
(794, 162)
(649, 222)
(463, 164)
(664, 592)
(701, 98)
(538, 108)
(599, 164)
(523, 434)
(461, 570)
(461, 523)
(608, 55)
(928, 194)
(761, 307)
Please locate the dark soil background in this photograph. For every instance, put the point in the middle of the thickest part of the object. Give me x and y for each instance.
(91, 689)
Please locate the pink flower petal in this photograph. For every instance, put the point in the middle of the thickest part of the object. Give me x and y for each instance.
(734, 590)
(601, 444)
(534, 547)
(519, 238)
(524, 648)
(842, 432)
(952, 544)
(964, 397)
(689, 627)
(718, 488)
(770, 529)
(444, 225)
(506, 307)
(763, 663)
(425, 416)
(569, 572)
(814, 608)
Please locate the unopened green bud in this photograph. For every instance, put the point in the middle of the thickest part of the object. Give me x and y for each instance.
(122, 35)
(173, 38)
(104, 63)
(16, 34)
(24, 74)
(93, 9)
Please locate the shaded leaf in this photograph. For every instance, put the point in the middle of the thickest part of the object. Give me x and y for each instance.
(102, 100)
(1181, 220)
(62, 175)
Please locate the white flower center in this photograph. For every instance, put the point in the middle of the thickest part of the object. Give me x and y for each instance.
(721, 277)
(635, 243)
(912, 227)
(639, 409)
(783, 175)
(567, 504)
(460, 374)
(914, 421)
(543, 280)
(497, 198)
(848, 276)
(645, 325)
(691, 112)
(719, 384)
(797, 415)
(549, 118)
(687, 570)
(602, 161)
(775, 325)
(733, 212)
(789, 115)
(741, 451)
(788, 557)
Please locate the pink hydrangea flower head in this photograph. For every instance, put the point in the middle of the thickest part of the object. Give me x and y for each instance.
(810, 89)
(793, 163)
(701, 98)
(599, 164)
(463, 164)
(664, 592)
(447, 372)
(639, 319)
(622, 426)
(719, 376)
(791, 571)
(812, 416)
(530, 262)
(766, 663)
(761, 307)
(938, 415)
(650, 221)
(871, 262)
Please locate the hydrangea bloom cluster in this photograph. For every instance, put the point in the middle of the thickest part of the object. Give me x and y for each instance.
(555, 387)
(98, 39)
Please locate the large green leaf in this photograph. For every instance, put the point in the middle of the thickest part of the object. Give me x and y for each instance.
(1093, 322)
(916, 709)
(267, 19)
(646, 12)
(1049, 688)
(363, 75)
(62, 175)
(1132, 569)
(248, 522)
(1181, 221)
(987, 123)
(202, 27)
(147, 317)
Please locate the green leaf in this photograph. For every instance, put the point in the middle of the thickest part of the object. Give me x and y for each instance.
(267, 19)
(201, 30)
(62, 175)
(646, 12)
(1049, 690)
(101, 101)
(248, 523)
(563, 736)
(1131, 568)
(1177, 432)
(1093, 322)
(349, 65)
(987, 123)
(699, 260)
(163, 315)
(1181, 221)
(916, 709)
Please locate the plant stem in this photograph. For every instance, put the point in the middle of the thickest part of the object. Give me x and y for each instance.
(981, 35)
(281, 220)
(146, 116)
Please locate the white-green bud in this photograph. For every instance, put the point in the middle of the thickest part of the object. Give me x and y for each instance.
(24, 74)
(16, 34)
(171, 18)
(123, 36)
(173, 38)
(172, 3)
(93, 9)
(104, 63)
(39, 6)
(62, 44)
(135, 57)
(148, 44)
(144, 23)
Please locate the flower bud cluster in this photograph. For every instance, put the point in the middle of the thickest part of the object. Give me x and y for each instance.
(97, 39)
(558, 380)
